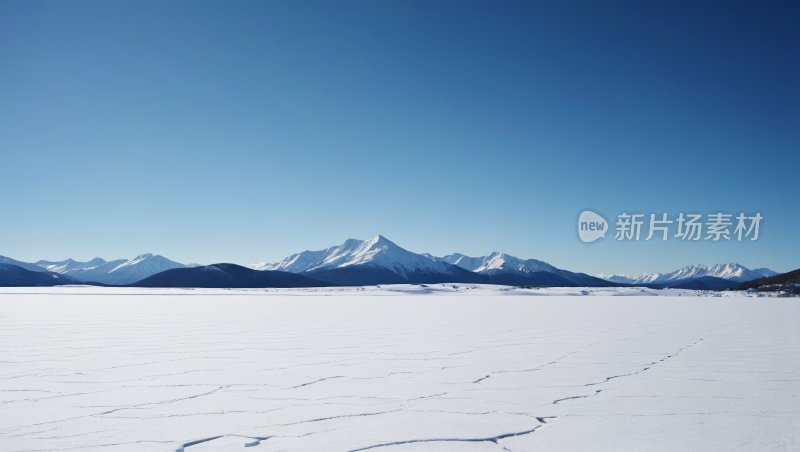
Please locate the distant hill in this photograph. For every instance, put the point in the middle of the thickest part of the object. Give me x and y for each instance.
(16, 276)
(25, 265)
(765, 272)
(227, 276)
(792, 277)
(703, 283)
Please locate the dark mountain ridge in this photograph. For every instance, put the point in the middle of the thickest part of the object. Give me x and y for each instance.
(220, 276)
(701, 283)
(792, 277)
(16, 276)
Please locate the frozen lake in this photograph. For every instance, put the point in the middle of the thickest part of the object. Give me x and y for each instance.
(397, 370)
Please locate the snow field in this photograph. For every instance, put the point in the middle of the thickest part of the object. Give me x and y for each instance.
(398, 369)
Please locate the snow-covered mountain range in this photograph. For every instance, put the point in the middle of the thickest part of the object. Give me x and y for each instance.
(69, 265)
(730, 271)
(374, 261)
(380, 261)
(118, 272)
(503, 264)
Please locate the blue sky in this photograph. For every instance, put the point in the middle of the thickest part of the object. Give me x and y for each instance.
(242, 131)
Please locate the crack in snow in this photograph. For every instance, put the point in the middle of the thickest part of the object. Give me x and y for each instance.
(316, 381)
(493, 439)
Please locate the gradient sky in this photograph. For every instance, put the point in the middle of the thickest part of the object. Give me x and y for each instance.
(238, 131)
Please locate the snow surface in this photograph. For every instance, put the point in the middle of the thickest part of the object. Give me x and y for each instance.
(445, 367)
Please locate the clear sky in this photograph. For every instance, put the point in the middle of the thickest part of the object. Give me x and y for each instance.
(238, 131)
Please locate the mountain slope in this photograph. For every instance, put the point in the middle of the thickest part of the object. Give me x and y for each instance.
(95, 273)
(25, 265)
(227, 276)
(16, 276)
(465, 262)
(366, 275)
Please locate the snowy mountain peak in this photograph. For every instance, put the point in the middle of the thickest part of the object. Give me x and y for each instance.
(727, 271)
(136, 269)
(148, 260)
(431, 257)
(500, 262)
(465, 262)
(495, 262)
(142, 257)
(377, 251)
